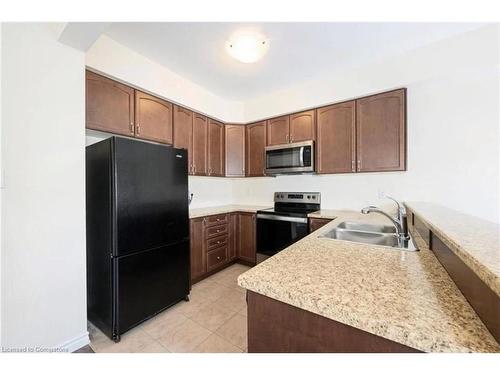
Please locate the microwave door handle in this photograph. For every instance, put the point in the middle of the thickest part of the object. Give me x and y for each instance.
(301, 156)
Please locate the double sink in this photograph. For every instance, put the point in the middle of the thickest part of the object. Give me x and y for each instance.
(382, 235)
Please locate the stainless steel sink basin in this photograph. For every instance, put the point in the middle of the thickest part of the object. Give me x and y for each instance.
(383, 235)
(367, 227)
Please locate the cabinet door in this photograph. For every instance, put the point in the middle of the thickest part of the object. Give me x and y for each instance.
(153, 118)
(278, 131)
(316, 223)
(303, 126)
(247, 240)
(197, 245)
(200, 142)
(183, 132)
(381, 126)
(336, 138)
(233, 236)
(255, 149)
(109, 105)
(216, 158)
(235, 150)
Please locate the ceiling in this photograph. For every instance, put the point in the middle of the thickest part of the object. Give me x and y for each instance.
(297, 51)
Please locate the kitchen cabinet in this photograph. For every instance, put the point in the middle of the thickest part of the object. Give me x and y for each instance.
(216, 160)
(235, 150)
(336, 138)
(278, 130)
(109, 105)
(303, 126)
(153, 118)
(200, 145)
(197, 246)
(316, 223)
(380, 129)
(233, 236)
(255, 149)
(247, 237)
(297, 127)
(183, 132)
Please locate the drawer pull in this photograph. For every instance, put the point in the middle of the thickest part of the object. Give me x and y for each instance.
(218, 230)
(218, 241)
(218, 258)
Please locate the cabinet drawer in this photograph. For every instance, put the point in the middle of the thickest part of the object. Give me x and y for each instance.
(216, 258)
(216, 242)
(216, 220)
(216, 231)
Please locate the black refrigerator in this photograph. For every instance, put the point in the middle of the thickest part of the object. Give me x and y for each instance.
(137, 232)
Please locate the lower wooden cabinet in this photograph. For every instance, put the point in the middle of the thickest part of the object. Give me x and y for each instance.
(217, 240)
(247, 237)
(197, 245)
(316, 223)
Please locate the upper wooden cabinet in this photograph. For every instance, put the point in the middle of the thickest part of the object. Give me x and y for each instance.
(216, 159)
(235, 150)
(153, 118)
(278, 130)
(381, 127)
(183, 132)
(109, 105)
(336, 143)
(255, 149)
(200, 145)
(293, 128)
(303, 126)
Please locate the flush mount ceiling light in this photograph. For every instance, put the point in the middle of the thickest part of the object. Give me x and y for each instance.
(247, 48)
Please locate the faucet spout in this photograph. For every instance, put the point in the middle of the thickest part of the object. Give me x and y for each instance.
(396, 222)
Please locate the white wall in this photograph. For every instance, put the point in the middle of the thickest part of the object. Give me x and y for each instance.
(43, 212)
(453, 128)
(122, 63)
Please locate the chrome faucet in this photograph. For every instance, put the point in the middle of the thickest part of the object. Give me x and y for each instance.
(399, 222)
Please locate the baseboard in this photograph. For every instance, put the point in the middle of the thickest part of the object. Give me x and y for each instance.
(76, 343)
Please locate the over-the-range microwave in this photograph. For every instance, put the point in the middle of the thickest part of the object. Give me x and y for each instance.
(290, 158)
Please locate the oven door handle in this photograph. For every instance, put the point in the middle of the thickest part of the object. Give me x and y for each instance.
(282, 218)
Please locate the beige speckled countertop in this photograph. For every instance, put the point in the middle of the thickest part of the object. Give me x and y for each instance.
(403, 296)
(207, 211)
(475, 241)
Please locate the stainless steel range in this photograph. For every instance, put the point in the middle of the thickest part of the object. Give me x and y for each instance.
(286, 223)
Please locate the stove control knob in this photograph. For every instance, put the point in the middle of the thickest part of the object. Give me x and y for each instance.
(314, 197)
(308, 197)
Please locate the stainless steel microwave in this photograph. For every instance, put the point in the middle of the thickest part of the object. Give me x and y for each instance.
(290, 158)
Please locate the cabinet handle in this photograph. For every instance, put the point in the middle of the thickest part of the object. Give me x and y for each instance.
(218, 241)
(359, 165)
(131, 128)
(290, 138)
(352, 165)
(218, 258)
(194, 168)
(138, 129)
(218, 230)
(286, 137)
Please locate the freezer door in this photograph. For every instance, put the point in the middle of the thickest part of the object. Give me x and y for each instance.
(150, 281)
(151, 196)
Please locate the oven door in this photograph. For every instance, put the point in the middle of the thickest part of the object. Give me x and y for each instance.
(276, 232)
(290, 158)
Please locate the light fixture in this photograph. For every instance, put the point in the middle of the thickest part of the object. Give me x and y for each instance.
(247, 48)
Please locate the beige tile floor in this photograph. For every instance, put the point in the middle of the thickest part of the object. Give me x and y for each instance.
(213, 321)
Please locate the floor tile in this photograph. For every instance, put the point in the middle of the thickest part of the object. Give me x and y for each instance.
(162, 323)
(216, 344)
(235, 331)
(212, 316)
(190, 308)
(185, 337)
(233, 300)
(131, 342)
(154, 347)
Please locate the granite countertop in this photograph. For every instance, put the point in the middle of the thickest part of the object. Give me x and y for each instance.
(216, 210)
(403, 296)
(475, 241)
